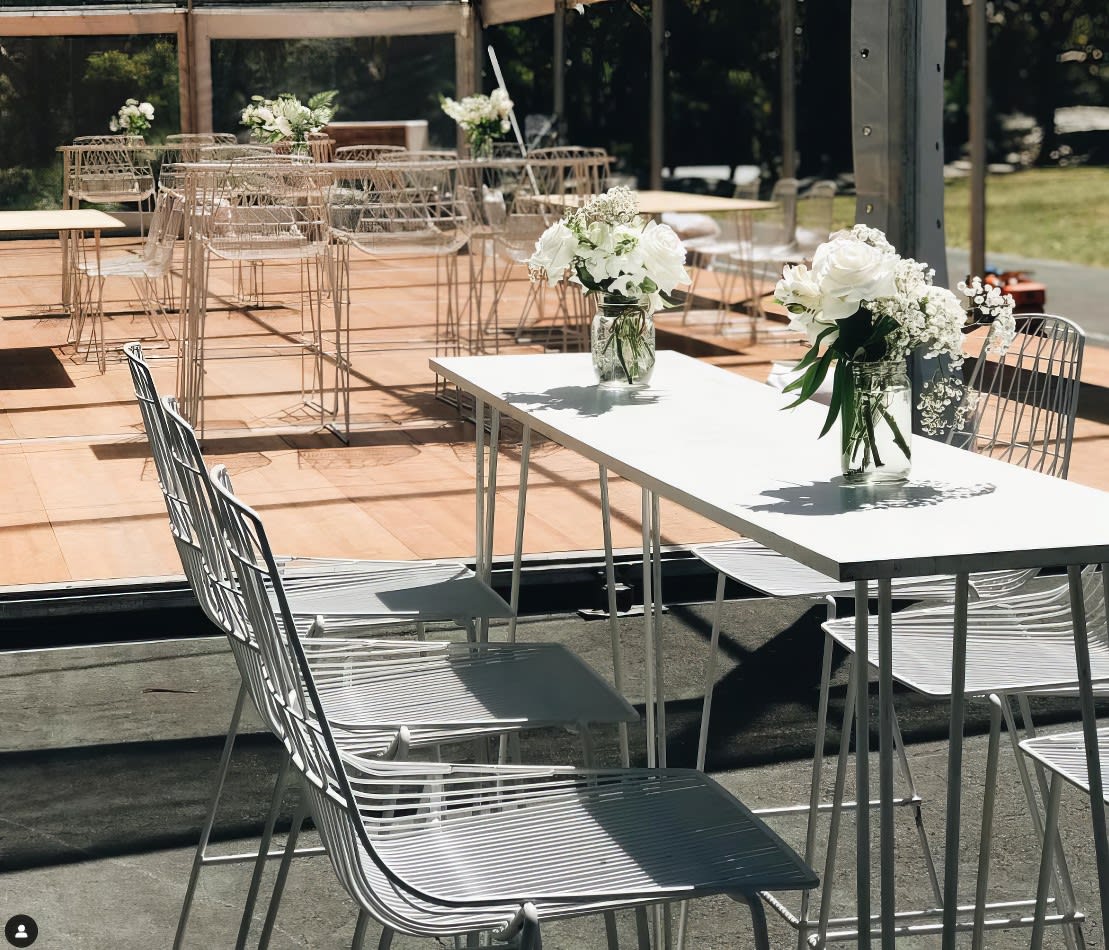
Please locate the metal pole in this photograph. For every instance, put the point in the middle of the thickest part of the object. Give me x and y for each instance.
(658, 73)
(558, 68)
(977, 136)
(787, 23)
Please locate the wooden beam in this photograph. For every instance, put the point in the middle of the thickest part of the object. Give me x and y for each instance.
(280, 23)
(89, 22)
(508, 11)
(186, 90)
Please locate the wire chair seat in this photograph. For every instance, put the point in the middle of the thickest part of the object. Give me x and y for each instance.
(1022, 644)
(472, 835)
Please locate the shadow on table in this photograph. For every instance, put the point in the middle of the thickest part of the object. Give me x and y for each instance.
(584, 400)
(837, 496)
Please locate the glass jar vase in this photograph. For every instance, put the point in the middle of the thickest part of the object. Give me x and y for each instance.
(877, 419)
(622, 340)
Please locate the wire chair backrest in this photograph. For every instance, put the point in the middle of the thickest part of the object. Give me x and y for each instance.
(570, 170)
(402, 209)
(778, 228)
(815, 213)
(233, 151)
(260, 210)
(111, 169)
(368, 153)
(1027, 397)
(165, 228)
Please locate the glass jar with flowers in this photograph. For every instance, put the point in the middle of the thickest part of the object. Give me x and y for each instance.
(864, 309)
(286, 121)
(633, 266)
(133, 118)
(483, 119)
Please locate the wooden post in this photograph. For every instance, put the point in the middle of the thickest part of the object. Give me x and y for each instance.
(558, 68)
(787, 26)
(658, 89)
(977, 73)
(185, 91)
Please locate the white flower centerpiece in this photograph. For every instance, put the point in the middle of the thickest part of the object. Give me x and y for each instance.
(133, 118)
(864, 309)
(483, 119)
(286, 119)
(607, 249)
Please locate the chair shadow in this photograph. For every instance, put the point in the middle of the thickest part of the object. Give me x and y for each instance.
(590, 401)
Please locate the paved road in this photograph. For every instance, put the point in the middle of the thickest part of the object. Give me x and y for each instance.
(1080, 293)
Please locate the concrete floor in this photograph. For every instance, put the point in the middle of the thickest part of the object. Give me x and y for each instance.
(114, 705)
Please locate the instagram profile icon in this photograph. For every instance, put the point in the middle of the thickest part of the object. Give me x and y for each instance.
(21, 930)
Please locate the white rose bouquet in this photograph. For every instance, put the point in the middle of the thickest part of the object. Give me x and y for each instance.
(482, 118)
(133, 118)
(286, 118)
(606, 248)
(861, 303)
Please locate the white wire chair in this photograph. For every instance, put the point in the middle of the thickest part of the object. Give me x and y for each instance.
(442, 850)
(146, 271)
(815, 211)
(254, 213)
(1064, 755)
(437, 692)
(368, 153)
(410, 211)
(1026, 408)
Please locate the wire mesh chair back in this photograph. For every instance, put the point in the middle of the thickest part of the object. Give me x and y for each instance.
(111, 169)
(186, 146)
(161, 239)
(369, 153)
(570, 170)
(814, 214)
(424, 155)
(257, 211)
(234, 151)
(402, 209)
(778, 228)
(1027, 398)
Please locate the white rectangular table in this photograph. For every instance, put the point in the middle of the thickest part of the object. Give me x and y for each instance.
(719, 445)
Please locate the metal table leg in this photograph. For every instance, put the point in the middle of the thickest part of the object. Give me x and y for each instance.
(862, 762)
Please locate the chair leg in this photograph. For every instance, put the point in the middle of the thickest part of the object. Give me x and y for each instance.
(199, 857)
(283, 872)
(613, 622)
(710, 672)
(837, 801)
(279, 787)
(758, 921)
(642, 932)
(360, 930)
(817, 769)
(1051, 822)
(386, 941)
(989, 798)
(611, 933)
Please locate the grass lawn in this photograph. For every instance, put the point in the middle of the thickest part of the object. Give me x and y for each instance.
(1052, 213)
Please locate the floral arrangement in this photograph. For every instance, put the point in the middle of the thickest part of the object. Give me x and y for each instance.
(861, 302)
(606, 248)
(133, 118)
(286, 118)
(482, 118)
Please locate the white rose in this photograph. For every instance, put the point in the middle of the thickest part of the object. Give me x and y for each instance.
(663, 256)
(798, 291)
(850, 271)
(554, 252)
(282, 125)
(113, 124)
(147, 110)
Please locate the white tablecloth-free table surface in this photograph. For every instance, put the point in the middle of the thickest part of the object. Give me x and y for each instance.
(720, 445)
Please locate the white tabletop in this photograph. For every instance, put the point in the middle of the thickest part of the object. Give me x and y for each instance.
(720, 445)
(58, 219)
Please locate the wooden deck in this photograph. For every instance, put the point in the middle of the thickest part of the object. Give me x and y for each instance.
(80, 500)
